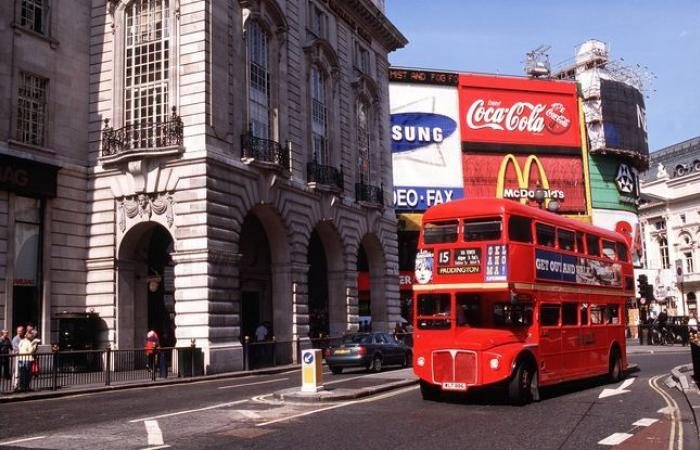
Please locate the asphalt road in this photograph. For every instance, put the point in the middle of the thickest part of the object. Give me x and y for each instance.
(239, 413)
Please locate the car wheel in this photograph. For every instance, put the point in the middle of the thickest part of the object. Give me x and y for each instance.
(520, 386)
(615, 373)
(336, 370)
(407, 359)
(376, 363)
(429, 392)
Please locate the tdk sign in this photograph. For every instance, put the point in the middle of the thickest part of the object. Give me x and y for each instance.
(410, 131)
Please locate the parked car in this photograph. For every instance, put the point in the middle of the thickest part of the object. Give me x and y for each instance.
(370, 350)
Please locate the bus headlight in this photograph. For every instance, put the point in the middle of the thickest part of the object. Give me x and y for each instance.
(420, 361)
(494, 363)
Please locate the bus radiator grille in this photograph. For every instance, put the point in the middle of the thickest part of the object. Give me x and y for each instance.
(454, 366)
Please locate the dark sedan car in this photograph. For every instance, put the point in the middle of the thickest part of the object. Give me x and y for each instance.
(370, 350)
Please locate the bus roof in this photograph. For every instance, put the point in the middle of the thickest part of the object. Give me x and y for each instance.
(483, 207)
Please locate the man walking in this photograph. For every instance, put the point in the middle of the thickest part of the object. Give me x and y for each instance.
(5, 350)
(15, 350)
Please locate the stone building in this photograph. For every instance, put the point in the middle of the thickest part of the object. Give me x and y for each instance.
(670, 219)
(233, 169)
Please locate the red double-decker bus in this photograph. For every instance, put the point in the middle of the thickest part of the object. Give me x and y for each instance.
(511, 294)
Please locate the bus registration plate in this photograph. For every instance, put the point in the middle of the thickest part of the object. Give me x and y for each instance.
(454, 386)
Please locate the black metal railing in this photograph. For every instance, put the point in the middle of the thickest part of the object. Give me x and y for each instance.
(142, 135)
(324, 175)
(668, 334)
(265, 150)
(369, 194)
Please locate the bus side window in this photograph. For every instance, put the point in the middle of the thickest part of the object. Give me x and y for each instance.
(593, 245)
(613, 314)
(545, 234)
(549, 315)
(609, 249)
(584, 313)
(520, 229)
(598, 314)
(569, 314)
(565, 239)
(579, 242)
(622, 252)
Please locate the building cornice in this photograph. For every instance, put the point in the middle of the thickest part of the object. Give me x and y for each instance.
(366, 13)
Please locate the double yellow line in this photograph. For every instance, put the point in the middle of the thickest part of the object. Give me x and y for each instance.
(675, 439)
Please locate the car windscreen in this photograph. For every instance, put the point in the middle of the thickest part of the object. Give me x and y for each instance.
(357, 339)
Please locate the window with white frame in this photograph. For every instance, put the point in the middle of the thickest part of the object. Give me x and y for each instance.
(689, 266)
(146, 68)
(319, 117)
(33, 15)
(31, 109)
(259, 81)
(361, 58)
(364, 137)
(663, 251)
(318, 21)
(660, 224)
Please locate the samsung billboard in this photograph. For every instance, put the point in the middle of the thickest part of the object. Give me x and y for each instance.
(624, 118)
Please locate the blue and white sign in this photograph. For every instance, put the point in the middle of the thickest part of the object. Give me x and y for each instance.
(496, 262)
(425, 144)
(308, 358)
(555, 266)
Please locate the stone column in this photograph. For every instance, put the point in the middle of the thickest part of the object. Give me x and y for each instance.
(300, 306)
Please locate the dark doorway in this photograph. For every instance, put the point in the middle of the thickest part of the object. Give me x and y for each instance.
(160, 286)
(250, 313)
(255, 278)
(318, 288)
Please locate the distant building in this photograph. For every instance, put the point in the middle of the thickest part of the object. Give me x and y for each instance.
(670, 219)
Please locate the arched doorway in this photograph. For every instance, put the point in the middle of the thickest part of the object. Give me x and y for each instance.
(373, 314)
(326, 281)
(146, 297)
(256, 280)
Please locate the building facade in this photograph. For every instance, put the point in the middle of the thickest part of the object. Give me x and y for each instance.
(670, 219)
(236, 170)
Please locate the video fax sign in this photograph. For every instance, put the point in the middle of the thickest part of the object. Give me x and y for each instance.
(420, 198)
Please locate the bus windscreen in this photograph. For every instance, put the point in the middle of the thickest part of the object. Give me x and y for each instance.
(482, 229)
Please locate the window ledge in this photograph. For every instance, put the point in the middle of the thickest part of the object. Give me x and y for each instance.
(22, 30)
(24, 145)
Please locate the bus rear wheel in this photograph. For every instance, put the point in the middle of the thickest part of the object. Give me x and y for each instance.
(429, 391)
(523, 387)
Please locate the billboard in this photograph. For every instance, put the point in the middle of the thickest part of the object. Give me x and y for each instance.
(624, 118)
(425, 143)
(508, 114)
(561, 177)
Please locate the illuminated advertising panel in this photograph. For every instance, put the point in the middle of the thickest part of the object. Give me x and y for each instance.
(507, 114)
(425, 143)
(518, 176)
(624, 118)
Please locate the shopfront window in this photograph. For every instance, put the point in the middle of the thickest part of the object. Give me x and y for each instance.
(26, 292)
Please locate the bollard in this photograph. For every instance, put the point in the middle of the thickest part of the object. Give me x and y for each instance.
(311, 370)
(54, 369)
(246, 361)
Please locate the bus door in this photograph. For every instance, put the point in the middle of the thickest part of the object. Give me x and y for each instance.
(550, 345)
(573, 344)
(598, 357)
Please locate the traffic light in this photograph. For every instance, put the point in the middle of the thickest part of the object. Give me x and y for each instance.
(643, 286)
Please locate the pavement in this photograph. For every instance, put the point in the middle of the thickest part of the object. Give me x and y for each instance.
(683, 378)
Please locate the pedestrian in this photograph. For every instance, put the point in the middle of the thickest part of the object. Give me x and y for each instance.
(693, 323)
(261, 333)
(152, 345)
(15, 350)
(5, 350)
(27, 348)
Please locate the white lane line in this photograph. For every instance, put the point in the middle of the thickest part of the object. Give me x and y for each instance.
(155, 436)
(665, 410)
(344, 380)
(645, 422)
(17, 441)
(340, 405)
(161, 416)
(277, 380)
(615, 439)
(156, 447)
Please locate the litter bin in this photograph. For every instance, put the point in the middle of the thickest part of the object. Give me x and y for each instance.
(188, 356)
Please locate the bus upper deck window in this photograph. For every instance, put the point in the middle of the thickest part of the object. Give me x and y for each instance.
(622, 252)
(520, 229)
(545, 234)
(565, 239)
(609, 249)
(593, 245)
(440, 232)
(483, 229)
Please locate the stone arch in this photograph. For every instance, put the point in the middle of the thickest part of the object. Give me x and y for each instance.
(371, 259)
(326, 281)
(145, 285)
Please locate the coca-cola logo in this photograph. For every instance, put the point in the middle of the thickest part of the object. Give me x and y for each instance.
(520, 116)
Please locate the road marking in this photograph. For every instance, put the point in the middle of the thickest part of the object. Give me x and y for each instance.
(248, 414)
(645, 422)
(155, 436)
(161, 416)
(615, 439)
(17, 441)
(622, 389)
(344, 380)
(156, 447)
(672, 406)
(277, 380)
(339, 405)
(665, 410)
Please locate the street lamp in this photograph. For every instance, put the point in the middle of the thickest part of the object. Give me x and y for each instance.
(539, 195)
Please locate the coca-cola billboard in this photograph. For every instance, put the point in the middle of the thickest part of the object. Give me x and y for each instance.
(502, 113)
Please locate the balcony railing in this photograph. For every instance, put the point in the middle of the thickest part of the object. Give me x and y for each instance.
(264, 151)
(367, 193)
(320, 174)
(142, 136)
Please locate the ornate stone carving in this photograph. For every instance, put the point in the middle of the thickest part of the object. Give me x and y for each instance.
(144, 206)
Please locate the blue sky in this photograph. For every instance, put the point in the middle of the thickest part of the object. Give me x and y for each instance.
(493, 36)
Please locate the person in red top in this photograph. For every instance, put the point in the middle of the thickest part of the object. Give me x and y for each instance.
(152, 344)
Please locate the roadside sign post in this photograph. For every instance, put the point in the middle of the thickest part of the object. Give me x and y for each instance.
(311, 370)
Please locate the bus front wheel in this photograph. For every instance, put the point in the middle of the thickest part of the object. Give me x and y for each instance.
(615, 372)
(523, 387)
(429, 391)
